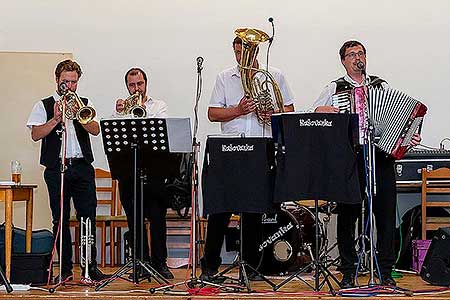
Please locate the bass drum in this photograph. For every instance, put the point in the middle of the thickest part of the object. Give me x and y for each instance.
(287, 237)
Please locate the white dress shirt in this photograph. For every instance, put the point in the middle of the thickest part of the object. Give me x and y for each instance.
(38, 117)
(325, 97)
(228, 92)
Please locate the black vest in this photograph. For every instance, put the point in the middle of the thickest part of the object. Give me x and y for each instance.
(51, 144)
(344, 85)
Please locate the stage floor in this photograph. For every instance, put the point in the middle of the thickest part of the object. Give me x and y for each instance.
(121, 289)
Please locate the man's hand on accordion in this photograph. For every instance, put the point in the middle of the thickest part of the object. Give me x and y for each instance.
(326, 109)
(415, 140)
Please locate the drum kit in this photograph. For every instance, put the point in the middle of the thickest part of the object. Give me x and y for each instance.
(287, 243)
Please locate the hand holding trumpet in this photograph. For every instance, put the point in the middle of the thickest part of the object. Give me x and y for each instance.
(57, 113)
(120, 105)
(133, 105)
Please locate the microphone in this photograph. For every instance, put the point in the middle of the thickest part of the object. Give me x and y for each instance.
(273, 30)
(360, 65)
(199, 64)
(63, 87)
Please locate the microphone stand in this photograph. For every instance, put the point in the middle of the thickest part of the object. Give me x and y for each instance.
(193, 280)
(371, 185)
(63, 88)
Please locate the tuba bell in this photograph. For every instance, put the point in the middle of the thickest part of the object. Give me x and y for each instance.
(133, 106)
(257, 87)
(75, 108)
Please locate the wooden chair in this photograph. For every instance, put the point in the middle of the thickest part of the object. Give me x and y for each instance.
(104, 185)
(434, 182)
(178, 236)
(118, 222)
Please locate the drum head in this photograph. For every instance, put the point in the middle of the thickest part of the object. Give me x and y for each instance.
(288, 237)
(280, 243)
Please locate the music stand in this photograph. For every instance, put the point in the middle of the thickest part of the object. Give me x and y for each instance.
(298, 154)
(152, 147)
(238, 177)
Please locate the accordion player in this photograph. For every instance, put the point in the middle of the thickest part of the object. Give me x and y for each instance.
(395, 116)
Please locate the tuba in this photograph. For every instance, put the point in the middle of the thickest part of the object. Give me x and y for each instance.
(255, 87)
(133, 106)
(75, 108)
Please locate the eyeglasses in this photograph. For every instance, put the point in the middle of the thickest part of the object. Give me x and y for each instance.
(352, 55)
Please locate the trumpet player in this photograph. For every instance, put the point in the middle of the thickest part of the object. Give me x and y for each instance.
(136, 83)
(45, 122)
(154, 202)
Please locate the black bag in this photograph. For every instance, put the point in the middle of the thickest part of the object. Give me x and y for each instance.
(28, 268)
(178, 190)
(410, 230)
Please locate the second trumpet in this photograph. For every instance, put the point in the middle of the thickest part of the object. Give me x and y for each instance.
(134, 106)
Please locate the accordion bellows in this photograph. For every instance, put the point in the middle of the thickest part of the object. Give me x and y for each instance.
(394, 115)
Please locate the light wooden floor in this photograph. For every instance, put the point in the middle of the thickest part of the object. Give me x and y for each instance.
(121, 289)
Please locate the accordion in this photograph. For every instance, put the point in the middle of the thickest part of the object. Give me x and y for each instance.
(394, 115)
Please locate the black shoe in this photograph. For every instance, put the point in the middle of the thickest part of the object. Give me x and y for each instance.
(388, 280)
(66, 276)
(209, 275)
(95, 274)
(348, 281)
(253, 276)
(212, 278)
(163, 270)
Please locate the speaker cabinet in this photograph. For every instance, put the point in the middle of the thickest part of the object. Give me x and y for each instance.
(436, 266)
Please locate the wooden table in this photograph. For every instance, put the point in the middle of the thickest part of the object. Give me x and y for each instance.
(10, 193)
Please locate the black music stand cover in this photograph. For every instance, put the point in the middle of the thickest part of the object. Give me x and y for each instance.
(162, 143)
(315, 157)
(238, 175)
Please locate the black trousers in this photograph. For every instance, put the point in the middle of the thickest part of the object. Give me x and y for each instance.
(384, 207)
(155, 211)
(215, 232)
(79, 184)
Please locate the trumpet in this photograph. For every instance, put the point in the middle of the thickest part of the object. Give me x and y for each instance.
(75, 108)
(134, 106)
(86, 244)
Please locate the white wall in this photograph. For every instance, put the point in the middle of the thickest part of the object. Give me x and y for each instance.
(407, 43)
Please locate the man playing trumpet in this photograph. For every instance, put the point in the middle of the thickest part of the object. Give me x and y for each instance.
(154, 205)
(136, 82)
(45, 122)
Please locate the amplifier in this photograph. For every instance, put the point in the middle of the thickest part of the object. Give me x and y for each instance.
(408, 169)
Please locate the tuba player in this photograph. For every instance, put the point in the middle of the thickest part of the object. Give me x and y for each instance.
(237, 115)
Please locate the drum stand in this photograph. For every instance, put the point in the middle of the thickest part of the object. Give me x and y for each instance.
(319, 266)
(327, 260)
(242, 265)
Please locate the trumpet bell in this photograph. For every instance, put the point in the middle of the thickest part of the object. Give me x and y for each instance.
(85, 115)
(138, 111)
